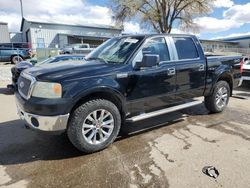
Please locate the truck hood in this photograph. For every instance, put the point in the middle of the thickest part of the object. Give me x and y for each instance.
(58, 72)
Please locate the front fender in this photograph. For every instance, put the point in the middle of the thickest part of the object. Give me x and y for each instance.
(81, 89)
(104, 89)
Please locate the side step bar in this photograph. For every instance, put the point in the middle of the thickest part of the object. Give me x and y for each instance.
(162, 111)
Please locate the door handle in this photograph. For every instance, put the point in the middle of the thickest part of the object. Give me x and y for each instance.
(171, 71)
(201, 67)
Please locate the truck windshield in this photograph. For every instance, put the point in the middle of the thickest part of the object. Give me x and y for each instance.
(116, 50)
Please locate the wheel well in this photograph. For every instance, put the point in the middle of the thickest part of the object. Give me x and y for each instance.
(229, 80)
(102, 95)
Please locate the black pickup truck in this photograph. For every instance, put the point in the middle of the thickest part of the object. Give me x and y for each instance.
(127, 78)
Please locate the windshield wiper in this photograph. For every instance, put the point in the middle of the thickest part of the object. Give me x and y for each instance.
(97, 58)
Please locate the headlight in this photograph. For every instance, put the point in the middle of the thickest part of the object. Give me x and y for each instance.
(47, 90)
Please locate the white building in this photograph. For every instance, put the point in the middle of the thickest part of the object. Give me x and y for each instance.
(243, 40)
(55, 35)
(237, 45)
(213, 45)
(4, 33)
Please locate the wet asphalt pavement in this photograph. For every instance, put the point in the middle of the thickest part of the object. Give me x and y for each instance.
(166, 151)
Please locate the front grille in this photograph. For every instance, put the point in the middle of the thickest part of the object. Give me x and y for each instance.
(24, 86)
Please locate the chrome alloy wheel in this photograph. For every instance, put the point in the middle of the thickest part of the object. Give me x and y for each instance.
(221, 97)
(98, 126)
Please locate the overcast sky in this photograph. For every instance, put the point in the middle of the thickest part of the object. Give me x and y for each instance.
(229, 17)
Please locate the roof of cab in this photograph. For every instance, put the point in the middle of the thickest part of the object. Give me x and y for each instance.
(158, 34)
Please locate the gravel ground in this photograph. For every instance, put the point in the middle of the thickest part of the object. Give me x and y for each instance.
(171, 154)
(5, 72)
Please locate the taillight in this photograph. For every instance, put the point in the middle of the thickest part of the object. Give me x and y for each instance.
(241, 66)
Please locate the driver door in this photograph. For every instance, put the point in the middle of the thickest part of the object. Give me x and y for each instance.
(153, 87)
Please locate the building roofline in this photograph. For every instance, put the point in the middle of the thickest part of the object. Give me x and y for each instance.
(72, 25)
(237, 38)
(72, 35)
(240, 37)
(158, 34)
(3, 23)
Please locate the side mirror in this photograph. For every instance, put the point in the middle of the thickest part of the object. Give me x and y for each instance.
(148, 60)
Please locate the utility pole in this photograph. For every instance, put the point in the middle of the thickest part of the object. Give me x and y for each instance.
(21, 2)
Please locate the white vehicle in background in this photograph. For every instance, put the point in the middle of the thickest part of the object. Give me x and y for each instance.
(246, 59)
(246, 71)
(82, 48)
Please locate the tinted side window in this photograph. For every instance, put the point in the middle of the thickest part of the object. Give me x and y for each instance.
(186, 48)
(155, 46)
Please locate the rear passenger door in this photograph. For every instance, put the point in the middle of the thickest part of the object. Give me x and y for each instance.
(190, 68)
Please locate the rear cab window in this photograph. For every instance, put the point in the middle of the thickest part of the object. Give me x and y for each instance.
(186, 48)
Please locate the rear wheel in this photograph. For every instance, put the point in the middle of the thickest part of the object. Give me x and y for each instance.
(16, 59)
(94, 125)
(218, 100)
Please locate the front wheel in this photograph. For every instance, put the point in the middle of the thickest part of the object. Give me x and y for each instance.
(94, 125)
(218, 100)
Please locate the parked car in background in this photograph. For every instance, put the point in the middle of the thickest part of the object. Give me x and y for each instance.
(246, 71)
(245, 59)
(14, 52)
(77, 48)
(17, 69)
(128, 78)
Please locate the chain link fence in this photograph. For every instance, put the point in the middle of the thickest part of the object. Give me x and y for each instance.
(48, 50)
(243, 51)
(228, 51)
(10, 52)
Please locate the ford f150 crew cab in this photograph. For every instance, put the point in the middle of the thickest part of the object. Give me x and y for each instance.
(127, 78)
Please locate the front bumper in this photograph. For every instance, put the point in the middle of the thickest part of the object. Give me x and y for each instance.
(245, 78)
(44, 123)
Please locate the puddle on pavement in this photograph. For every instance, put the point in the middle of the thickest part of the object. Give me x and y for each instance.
(151, 159)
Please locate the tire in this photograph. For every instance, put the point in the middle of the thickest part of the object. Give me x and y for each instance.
(16, 59)
(81, 117)
(218, 100)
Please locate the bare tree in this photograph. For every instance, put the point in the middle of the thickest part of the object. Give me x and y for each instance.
(161, 15)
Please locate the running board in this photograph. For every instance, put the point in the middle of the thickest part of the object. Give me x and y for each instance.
(163, 111)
